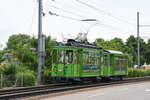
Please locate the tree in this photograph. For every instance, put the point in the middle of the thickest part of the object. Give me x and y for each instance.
(18, 41)
(131, 48)
(114, 44)
(48, 46)
(101, 42)
(147, 52)
(21, 47)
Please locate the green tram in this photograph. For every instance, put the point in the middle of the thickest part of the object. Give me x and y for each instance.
(75, 61)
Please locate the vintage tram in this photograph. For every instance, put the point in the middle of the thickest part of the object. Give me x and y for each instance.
(77, 61)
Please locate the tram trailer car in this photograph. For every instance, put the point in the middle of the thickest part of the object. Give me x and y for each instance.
(75, 61)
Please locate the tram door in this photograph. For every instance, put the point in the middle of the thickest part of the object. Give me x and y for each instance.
(61, 63)
(68, 67)
(106, 64)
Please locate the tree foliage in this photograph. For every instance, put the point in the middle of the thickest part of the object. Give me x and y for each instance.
(24, 50)
(129, 47)
(114, 44)
(23, 64)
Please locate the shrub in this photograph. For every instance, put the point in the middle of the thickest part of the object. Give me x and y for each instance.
(18, 74)
(148, 72)
(138, 72)
(47, 76)
(25, 78)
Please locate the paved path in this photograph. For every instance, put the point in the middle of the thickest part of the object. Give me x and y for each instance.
(140, 91)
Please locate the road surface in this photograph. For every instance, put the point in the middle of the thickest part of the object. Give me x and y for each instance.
(139, 91)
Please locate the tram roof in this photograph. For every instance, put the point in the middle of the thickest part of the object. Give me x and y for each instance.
(76, 44)
(114, 52)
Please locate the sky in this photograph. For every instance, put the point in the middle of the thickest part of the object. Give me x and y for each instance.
(115, 18)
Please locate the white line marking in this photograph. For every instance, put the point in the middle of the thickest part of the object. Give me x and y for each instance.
(147, 90)
(123, 89)
(139, 85)
(96, 95)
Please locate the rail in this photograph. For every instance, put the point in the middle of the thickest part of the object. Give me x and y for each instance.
(7, 94)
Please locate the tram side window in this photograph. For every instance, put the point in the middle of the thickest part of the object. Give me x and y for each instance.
(117, 62)
(90, 58)
(61, 56)
(94, 58)
(76, 57)
(124, 63)
(86, 58)
(121, 62)
(69, 57)
(54, 56)
(105, 60)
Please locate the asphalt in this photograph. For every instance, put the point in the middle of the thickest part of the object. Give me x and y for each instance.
(139, 91)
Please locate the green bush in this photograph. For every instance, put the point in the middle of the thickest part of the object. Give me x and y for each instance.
(132, 72)
(17, 74)
(148, 72)
(25, 78)
(47, 76)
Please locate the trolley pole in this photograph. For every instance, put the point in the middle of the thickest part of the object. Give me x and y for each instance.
(41, 44)
(138, 41)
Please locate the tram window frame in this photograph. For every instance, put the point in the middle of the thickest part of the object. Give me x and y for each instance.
(76, 57)
(124, 64)
(54, 56)
(69, 60)
(120, 62)
(90, 58)
(61, 57)
(106, 60)
(85, 57)
(117, 62)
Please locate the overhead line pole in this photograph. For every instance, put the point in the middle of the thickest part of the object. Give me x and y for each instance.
(138, 41)
(41, 43)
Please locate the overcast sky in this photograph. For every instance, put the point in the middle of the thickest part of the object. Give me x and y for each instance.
(116, 18)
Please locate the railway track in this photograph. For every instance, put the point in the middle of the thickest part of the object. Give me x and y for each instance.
(6, 94)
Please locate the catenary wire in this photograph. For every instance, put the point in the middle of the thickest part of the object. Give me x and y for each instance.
(108, 9)
(66, 11)
(102, 11)
(33, 19)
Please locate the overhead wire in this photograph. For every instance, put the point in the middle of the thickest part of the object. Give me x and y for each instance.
(74, 9)
(107, 13)
(144, 37)
(75, 19)
(100, 5)
(63, 16)
(102, 11)
(75, 13)
(67, 17)
(114, 28)
(33, 19)
(66, 11)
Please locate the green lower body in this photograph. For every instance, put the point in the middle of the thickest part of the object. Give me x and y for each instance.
(71, 71)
